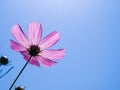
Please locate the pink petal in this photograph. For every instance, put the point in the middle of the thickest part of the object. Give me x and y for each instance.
(46, 62)
(49, 40)
(33, 61)
(19, 35)
(53, 54)
(16, 46)
(35, 32)
(25, 55)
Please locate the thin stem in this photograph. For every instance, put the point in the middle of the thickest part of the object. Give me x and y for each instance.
(20, 73)
(6, 72)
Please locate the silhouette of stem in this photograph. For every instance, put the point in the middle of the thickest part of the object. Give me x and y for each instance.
(6, 72)
(20, 72)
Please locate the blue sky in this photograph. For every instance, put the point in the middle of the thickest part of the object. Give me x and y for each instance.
(90, 34)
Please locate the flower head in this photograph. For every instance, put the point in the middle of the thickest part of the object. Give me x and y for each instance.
(19, 88)
(36, 47)
(4, 60)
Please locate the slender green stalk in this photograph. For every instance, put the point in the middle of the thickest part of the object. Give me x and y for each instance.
(20, 73)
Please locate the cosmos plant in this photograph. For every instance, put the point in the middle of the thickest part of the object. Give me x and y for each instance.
(4, 62)
(35, 50)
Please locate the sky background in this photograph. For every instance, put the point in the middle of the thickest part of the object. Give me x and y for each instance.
(90, 34)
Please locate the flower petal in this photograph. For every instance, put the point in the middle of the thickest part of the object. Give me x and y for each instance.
(46, 62)
(16, 46)
(33, 61)
(20, 36)
(49, 40)
(35, 32)
(25, 55)
(53, 54)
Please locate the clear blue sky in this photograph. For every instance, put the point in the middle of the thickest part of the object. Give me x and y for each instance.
(90, 34)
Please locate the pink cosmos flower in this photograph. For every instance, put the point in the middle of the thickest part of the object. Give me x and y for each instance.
(34, 46)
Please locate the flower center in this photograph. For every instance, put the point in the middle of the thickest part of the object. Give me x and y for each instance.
(19, 88)
(34, 50)
(4, 60)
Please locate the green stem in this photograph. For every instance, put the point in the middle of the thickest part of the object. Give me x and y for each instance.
(20, 72)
